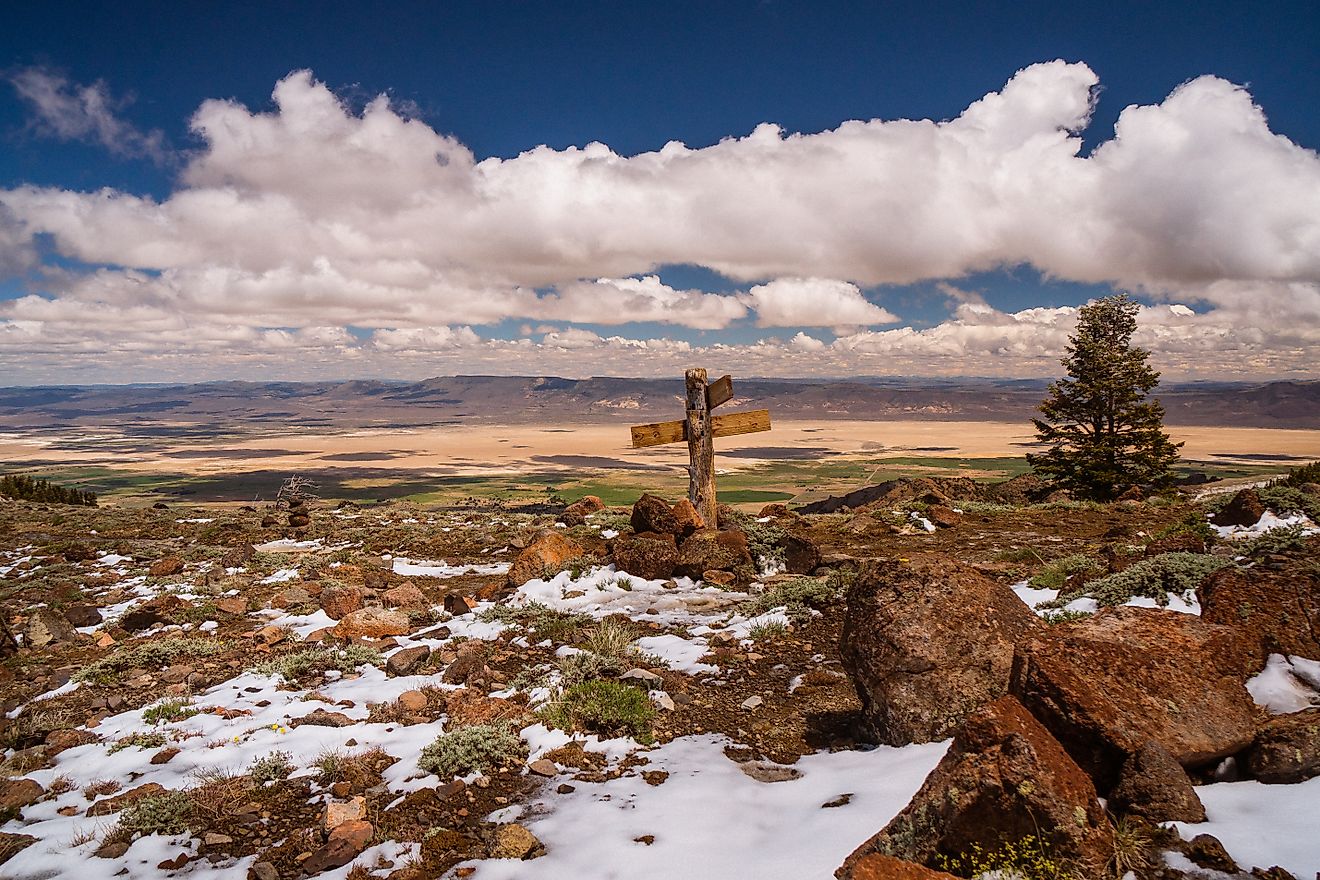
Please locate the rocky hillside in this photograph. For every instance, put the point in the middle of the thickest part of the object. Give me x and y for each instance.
(947, 680)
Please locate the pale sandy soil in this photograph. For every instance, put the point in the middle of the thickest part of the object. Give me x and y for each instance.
(494, 449)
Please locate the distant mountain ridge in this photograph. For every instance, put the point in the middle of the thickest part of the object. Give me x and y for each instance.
(551, 399)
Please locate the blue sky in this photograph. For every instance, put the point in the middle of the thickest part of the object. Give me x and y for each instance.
(501, 79)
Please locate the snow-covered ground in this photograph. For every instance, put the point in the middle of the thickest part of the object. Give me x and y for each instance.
(1263, 825)
(1268, 522)
(710, 819)
(1287, 684)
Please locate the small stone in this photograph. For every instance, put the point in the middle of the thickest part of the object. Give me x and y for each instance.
(232, 605)
(513, 841)
(664, 701)
(16, 793)
(565, 788)
(413, 701)
(642, 675)
(270, 635)
(405, 596)
(322, 718)
(83, 615)
(164, 756)
(170, 565)
(113, 849)
(1207, 852)
(543, 767)
(46, 626)
(59, 740)
(407, 660)
(373, 623)
(211, 838)
(337, 813)
(339, 603)
(264, 871)
(753, 702)
(459, 605)
(768, 771)
(345, 842)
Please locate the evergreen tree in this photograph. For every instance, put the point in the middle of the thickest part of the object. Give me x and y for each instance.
(1104, 432)
(24, 487)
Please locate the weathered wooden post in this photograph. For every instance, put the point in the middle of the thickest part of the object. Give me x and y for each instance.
(701, 447)
(699, 428)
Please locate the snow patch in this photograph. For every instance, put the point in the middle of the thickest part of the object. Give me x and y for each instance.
(1287, 684)
(593, 831)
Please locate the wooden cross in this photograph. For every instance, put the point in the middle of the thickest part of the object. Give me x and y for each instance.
(699, 429)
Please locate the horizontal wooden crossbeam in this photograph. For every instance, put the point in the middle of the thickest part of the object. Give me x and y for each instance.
(727, 425)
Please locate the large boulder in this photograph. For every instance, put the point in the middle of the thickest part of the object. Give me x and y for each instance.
(1270, 610)
(928, 642)
(652, 514)
(710, 550)
(1153, 786)
(877, 867)
(1287, 749)
(545, 555)
(1003, 779)
(646, 555)
(1107, 685)
(1245, 509)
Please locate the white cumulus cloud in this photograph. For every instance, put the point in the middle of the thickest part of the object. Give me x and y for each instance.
(308, 216)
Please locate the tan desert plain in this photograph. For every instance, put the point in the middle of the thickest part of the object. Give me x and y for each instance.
(796, 460)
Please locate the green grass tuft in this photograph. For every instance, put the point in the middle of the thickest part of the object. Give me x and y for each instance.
(609, 708)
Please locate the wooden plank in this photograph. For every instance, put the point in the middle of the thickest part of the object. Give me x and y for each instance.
(719, 391)
(701, 451)
(727, 425)
(658, 433)
(749, 422)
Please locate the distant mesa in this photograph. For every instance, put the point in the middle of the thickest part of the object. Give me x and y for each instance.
(780, 453)
(361, 456)
(595, 461)
(230, 453)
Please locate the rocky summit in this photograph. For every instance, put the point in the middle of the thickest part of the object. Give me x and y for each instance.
(937, 680)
